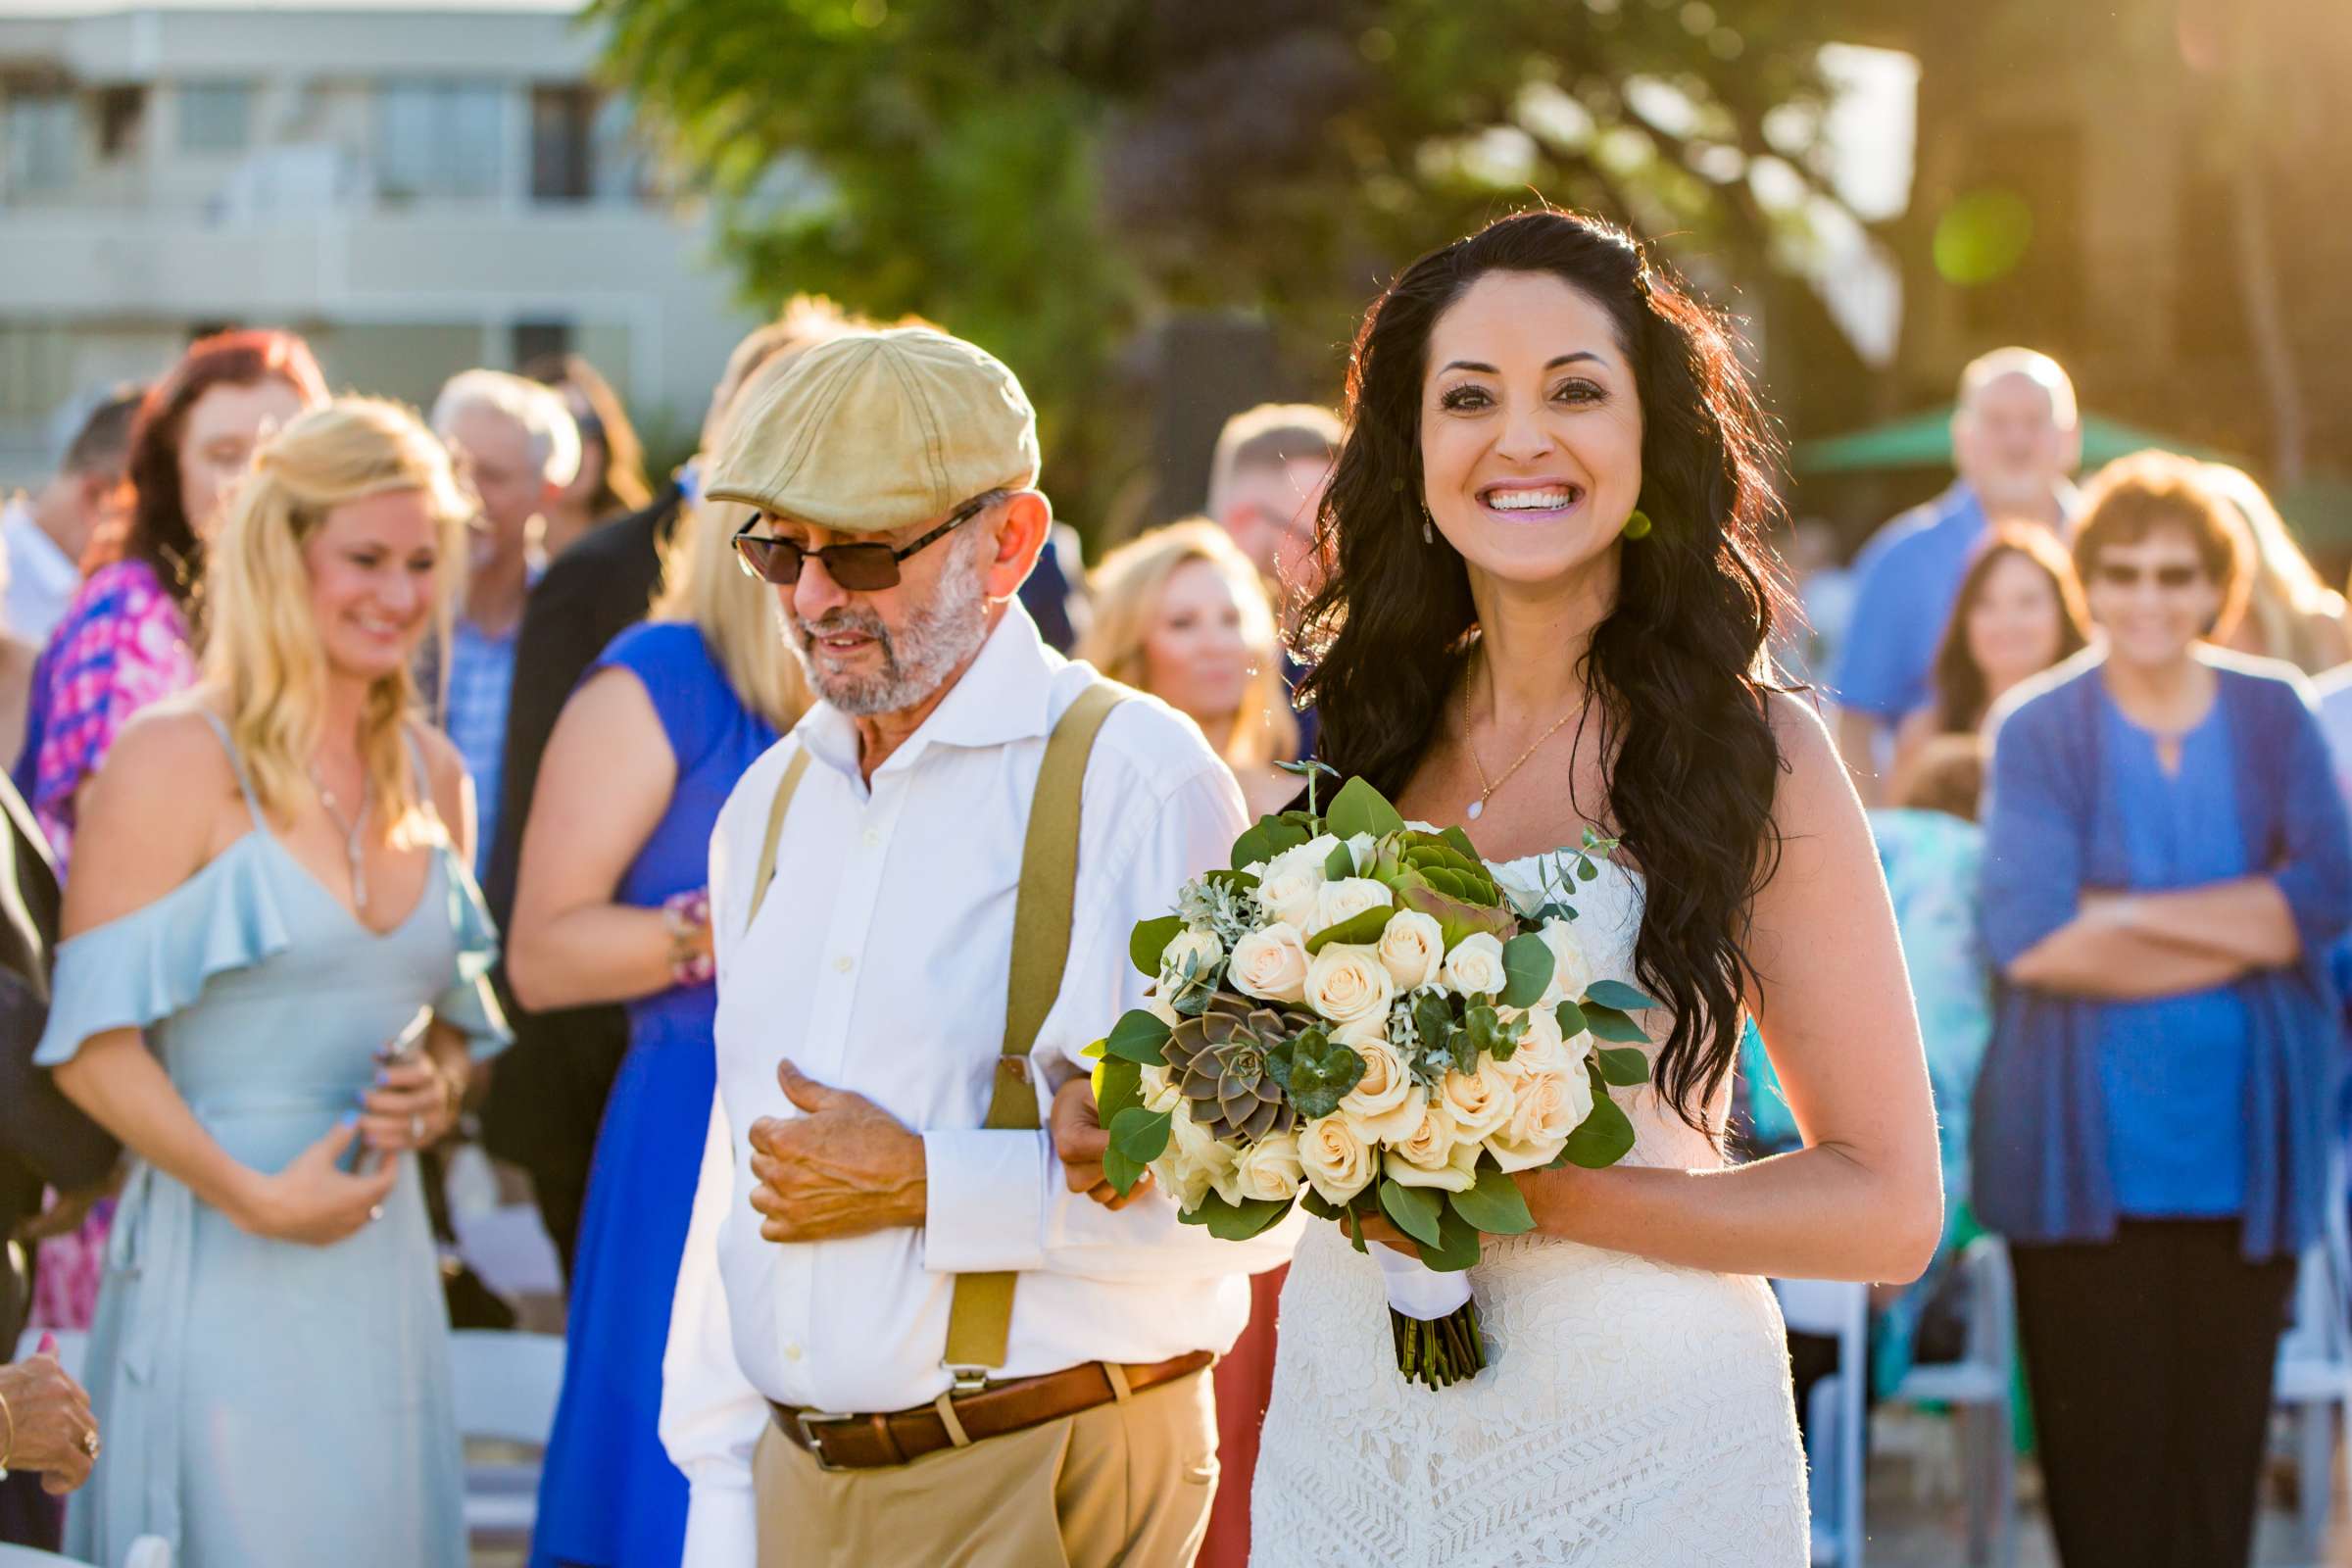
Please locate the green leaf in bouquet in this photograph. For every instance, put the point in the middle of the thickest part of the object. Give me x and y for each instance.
(1236, 1222)
(1624, 1066)
(1572, 1019)
(1365, 925)
(1456, 917)
(1460, 841)
(1602, 1138)
(1270, 837)
(1151, 939)
(1494, 1205)
(1340, 863)
(1137, 1037)
(1121, 1172)
(1608, 1023)
(1314, 772)
(1315, 1071)
(1617, 994)
(1314, 1202)
(1456, 1246)
(1358, 807)
(1235, 881)
(1527, 963)
(1487, 1035)
(1587, 872)
(1118, 1085)
(1415, 1209)
(1140, 1135)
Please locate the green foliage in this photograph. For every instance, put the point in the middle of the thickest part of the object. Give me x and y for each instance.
(1607, 1023)
(1151, 939)
(1236, 1222)
(1602, 1138)
(1494, 1205)
(1456, 1246)
(1618, 994)
(1363, 926)
(1137, 1037)
(1572, 1019)
(1339, 865)
(1527, 961)
(1624, 1068)
(1268, 838)
(1315, 1071)
(1358, 807)
(1120, 1086)
(1413, 1209)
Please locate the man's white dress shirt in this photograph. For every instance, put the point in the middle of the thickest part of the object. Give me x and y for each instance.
(878, 963)
(43, 578)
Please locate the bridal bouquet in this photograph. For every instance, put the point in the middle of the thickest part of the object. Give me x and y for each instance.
(1356, 1017)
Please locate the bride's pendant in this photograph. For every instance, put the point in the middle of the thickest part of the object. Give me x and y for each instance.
(1477, 809)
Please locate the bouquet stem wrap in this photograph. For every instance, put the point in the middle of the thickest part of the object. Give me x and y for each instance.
(1432, 1319)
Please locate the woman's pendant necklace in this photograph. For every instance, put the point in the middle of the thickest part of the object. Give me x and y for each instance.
(1486, 789)
(355, 848)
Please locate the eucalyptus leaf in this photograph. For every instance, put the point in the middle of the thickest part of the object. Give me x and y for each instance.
(1602, 1138)
(1121, 1172)
(1339, 865)
(1238, 881)
(1236, 1222)
(1461, 843)
(1624, 1066)
(1137, 1037)
(1415, 1209)
(1456, 1246)
(1527, 964)
(1314, 1202)
(1140, 1135)
(1494, 1205)
(1572, 1019)
(1151, 939)
(1269, 838)
(1617, 994)
(1358, 807)
(1365, 925)
(1315, 1071)
(1607, 1023)
(1118, 1086)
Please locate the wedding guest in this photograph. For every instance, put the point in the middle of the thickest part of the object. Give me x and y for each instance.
(613, 906)
(45, 1423)
(1265, 487)
(611, 479)
(2290, 613)
(1182, 613)
(270, 991)
(516, 449)
(2167, 865)
(2020, 610)
(46, 536)
(2016, 436)
(877, 1139)
(127, 638)
(546, 1098)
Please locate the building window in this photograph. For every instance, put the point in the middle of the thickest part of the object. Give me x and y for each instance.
(120, 111)
(440, 140)
(215, 116)
(563, 143)
(44, 132)
(539, 340)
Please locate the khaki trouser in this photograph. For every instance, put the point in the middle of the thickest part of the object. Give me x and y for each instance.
(1127, 1482)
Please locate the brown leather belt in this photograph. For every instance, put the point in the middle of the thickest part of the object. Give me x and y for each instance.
(872, 1442)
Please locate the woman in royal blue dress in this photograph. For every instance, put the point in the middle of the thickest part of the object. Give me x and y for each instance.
(611, 905)
(2167, 864)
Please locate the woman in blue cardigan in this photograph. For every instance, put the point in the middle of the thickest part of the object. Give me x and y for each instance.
(2166, 863)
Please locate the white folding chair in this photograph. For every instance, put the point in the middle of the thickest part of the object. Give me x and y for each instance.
(1977, 1390)
(2313, 1380)
(1838, 1309)
(507, 1386)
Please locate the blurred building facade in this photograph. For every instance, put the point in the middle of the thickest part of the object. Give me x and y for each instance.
(414, 186)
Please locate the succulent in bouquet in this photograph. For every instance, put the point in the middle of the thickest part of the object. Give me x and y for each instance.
(1355, 1016)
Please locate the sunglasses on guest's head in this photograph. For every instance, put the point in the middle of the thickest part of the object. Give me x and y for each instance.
(861, 568)
(2126, 574)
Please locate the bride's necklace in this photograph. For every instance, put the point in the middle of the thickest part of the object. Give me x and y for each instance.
(1486, 786)
(355, 848)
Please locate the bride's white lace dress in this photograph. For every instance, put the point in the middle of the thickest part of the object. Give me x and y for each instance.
(1631, 1412)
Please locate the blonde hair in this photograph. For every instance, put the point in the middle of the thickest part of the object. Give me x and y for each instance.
(1127, 588)
(264, 650)
(2287, 593)
(736, 612)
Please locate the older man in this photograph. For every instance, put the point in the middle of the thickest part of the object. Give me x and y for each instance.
(518, 446)
(2015, 439)
(921, 899)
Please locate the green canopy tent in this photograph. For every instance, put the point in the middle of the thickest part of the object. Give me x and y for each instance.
(1924, 441)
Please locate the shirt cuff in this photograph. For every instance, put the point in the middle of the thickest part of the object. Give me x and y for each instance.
(722, 1526)
(984, 1213)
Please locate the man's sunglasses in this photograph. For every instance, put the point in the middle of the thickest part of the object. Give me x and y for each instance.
(2173, 578)
(861, 568)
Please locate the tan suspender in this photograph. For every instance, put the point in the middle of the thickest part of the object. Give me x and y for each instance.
(980, 1317)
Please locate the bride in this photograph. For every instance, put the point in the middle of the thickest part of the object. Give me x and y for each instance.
(1547, 613)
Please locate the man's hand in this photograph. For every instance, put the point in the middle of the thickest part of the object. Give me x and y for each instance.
(844, 1168)
(1081, 1143)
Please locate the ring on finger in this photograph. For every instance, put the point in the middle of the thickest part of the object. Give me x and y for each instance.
(376, 1211)
(89, 1443)
(416, 1127)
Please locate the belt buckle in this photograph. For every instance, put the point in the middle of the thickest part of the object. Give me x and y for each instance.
(965, 1380)
(814, 1441)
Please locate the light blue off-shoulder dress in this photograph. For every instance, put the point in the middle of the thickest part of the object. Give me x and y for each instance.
(266, 1403)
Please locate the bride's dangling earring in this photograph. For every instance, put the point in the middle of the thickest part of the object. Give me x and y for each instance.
(1428, 525)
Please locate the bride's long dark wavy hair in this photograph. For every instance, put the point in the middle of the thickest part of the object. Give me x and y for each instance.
(1677, 668)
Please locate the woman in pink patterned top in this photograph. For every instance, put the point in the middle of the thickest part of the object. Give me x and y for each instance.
(127, 640)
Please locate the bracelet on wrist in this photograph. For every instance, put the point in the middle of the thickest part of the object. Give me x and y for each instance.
(686, 916)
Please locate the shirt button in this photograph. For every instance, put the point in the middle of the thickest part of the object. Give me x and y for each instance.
(844, 964)
(792, 1352)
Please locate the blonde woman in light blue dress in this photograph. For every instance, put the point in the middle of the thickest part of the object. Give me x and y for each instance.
(270, 990)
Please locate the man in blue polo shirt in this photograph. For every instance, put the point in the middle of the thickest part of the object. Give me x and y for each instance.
(2015, 439)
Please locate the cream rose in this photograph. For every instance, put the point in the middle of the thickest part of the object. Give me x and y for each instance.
(1457, 1172)
(1196, 946)
(1270, 1169)
(1347, 983)
(1547, 1107)
(1270, 964)
(1414, 948)
(1158, 1006)
(1542, 1048)
(1475, 965)
(1385, 1087)
(1479, 1101)
(1194, 1162)
(1158, 1089)
(1348, 898)
(1570, 972)
(1336, 1159)
(1429, 1141)
(1364, 847)
(1292, 880)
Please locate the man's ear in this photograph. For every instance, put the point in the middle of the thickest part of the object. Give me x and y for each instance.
(1022, 529)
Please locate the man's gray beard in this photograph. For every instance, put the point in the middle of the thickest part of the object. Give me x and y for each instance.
(936, 639)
